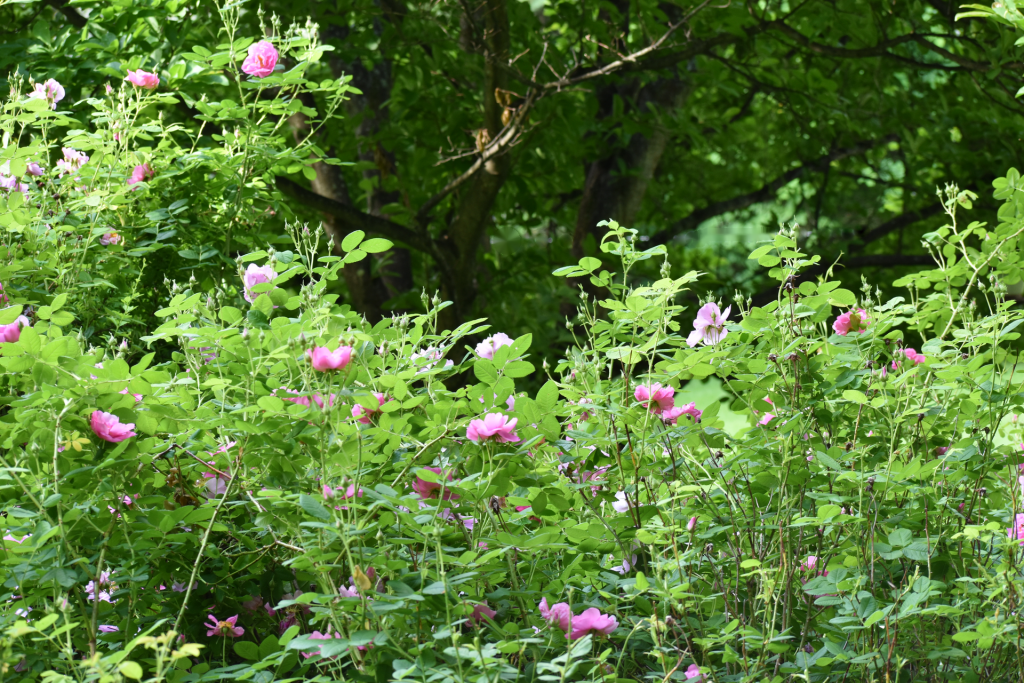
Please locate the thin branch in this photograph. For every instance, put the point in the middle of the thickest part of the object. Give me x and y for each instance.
(692, 221)
(76, 19)
(353, 219)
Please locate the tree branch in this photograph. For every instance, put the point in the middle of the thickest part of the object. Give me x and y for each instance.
(692, 221)
(352, 219)
(76, 19)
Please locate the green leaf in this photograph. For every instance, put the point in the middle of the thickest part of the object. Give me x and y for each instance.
(642, 583)
(247, 650)
(843, 298)
(376, 245)
(9, 314)
(519, 368)
(547, 397)
(230, 314)
(130, 669)
(590, 264)
(352, 240)
(855, 396)
(313, 508)
(485, 371)
(62, 318)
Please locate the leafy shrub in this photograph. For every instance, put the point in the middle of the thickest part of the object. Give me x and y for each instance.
(289, 492)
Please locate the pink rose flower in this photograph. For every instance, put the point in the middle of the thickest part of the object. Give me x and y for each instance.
(363, 415)
(851, 321)
(109, 428)
(109, 238)
(325, 360)
(1016, 532)
(34, 169)
(692, 524)
(913, 355)
(673, 414)
(768, 417)
(425, 489)
(479, 612)
(559, 614)
(316, 635)
(487, 347)
(592, 620)
(261, 60)
(655, 397)
(256, 275)
(143, 79)
(51, 91)
(709, 327)
(72, 162)
(224, 629)
(252, 604)
(12, 332)
(693, 674)
(494, 425)
(140, 173)
(810, 564)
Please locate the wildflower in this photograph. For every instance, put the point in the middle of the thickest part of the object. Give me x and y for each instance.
(671, 415)
(363, 415)
(559, 614)
(709, 326)
(810, 564)
(592, 620)
(12, 332)
(487, 347)
(655, 397)
(109, 427)
(102, 595)
(140, 173)
(110, 238)
(692, 524)
(104, 628)
(693, 674)
(766, 419)
(479, 612)
(325, 360)
(34, 169)
(913, 355)
(621, 503)
(143, 79)
(51, 91)
(316, 635)
(252, 604)
(851, 321)
(256, 275)
(1016, 532)
(216, 485)
(13, 184)
(261, 60)
(224, 629)
(72, 162)
(426, 488)
(494, 425)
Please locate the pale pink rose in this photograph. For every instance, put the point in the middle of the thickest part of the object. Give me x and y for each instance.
(621, 502)
(851, 321)
(655, 397)
(693, 674)
(709, 326)
(559, 614)
(361, 414)
(592, 620)
(224, 629)
(104, 628)
(810, 564)
(72, 162)
(425, 489)
(256, 275)
(261, 60)
(12, 332)
(494, 425)
(316, 635)
(692, 524)
(34, 169)
(143, 79)
(51, 91)
(325, 360)
(487, 347)
(109, 238)
(109, 428)
(140, 173)
(108, 89)
(768, 417)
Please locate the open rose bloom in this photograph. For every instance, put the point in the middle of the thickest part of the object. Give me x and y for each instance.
(261, 60)
(143, 79)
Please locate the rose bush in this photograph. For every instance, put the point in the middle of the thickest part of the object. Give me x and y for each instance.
(263, 486)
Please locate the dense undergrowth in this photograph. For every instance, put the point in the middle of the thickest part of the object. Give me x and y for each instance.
(287, 492)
